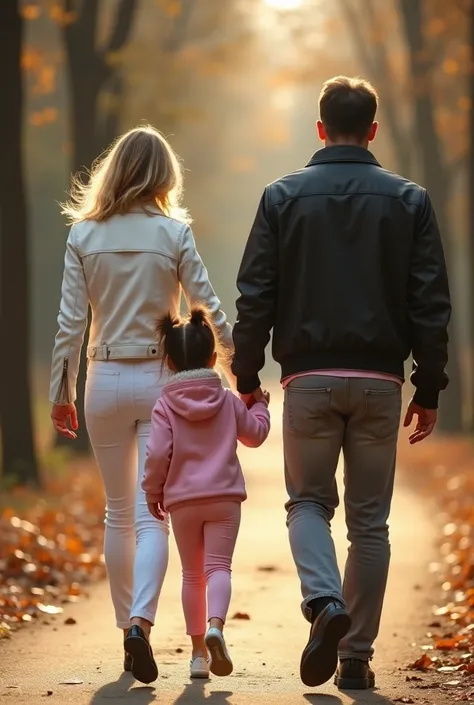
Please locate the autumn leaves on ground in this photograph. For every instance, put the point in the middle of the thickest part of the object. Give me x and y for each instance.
(51, 547)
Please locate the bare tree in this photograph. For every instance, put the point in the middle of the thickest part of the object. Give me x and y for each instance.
(436, 177)
(91, 72)
(374, 58)
(471, 208)
(19, 463)
(92, 76)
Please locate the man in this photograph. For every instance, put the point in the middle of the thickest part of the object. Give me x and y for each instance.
(345, 263)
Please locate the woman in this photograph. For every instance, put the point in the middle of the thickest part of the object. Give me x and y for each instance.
(129, 252)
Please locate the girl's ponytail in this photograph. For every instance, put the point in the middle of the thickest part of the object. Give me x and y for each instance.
(190, 343)
(166, 324)
(165, 327)
(199, 316)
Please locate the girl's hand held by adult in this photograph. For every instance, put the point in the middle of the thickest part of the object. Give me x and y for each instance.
(64, 418)
(156, 510)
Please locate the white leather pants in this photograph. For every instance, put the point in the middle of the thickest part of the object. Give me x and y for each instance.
(120, 396)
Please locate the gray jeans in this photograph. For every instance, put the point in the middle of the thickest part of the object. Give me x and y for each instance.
(361, 417)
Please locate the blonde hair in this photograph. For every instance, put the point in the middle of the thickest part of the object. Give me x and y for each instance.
(139, 169)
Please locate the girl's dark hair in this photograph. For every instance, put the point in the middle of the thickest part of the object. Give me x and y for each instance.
(190, 342)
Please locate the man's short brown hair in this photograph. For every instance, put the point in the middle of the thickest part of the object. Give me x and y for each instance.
(347, 107)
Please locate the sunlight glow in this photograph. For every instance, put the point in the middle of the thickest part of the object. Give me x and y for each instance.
(284, 4)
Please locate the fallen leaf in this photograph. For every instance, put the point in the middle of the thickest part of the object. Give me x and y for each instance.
(451, 669)
(49, 554)
(241, 615)
(422, 664)
(445, 644)
(444, 470)
(49, 609)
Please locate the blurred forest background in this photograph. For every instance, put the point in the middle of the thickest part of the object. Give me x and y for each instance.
(234, 84)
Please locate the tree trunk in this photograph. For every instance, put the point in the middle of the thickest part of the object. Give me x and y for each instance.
(373, 57)
(471, 213)
(89, 73)
(437, 182)
(19, 462)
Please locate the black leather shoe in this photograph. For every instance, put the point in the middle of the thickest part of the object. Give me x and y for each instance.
(127, 662)
(143, 666)
(319, 659)
(354, 674)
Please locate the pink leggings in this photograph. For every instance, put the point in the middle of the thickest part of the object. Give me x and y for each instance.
(206, 535)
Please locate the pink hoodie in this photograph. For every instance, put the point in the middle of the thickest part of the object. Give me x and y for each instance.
(192, 448)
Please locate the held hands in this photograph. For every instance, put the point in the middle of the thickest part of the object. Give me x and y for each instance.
(427, 419)
(64, 416)
(256, 396)
(156, 510)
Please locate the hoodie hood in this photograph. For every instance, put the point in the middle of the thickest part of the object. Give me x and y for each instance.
(195, 395)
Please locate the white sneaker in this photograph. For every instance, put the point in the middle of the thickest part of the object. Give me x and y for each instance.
(221, 664)
(199, 667)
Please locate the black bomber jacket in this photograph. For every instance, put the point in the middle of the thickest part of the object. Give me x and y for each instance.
(345, 263)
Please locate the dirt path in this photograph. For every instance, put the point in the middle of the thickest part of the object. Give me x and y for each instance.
(266, 649)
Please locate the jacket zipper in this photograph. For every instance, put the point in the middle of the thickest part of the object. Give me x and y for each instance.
(63, 397)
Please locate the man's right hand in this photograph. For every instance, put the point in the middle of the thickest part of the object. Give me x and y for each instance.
(426, 422)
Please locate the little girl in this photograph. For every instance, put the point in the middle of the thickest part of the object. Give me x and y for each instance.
(192, 472)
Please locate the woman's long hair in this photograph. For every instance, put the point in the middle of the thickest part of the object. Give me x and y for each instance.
(139, 170)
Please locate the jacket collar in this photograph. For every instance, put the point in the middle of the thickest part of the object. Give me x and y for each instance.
(191, 375)
(342, 153)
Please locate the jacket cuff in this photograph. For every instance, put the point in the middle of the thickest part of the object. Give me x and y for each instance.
(426, 398)
(247, 385)
(154, 498)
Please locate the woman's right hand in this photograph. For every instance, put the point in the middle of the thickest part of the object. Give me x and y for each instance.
(63, 416)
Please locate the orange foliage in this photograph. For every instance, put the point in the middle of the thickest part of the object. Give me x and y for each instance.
(30, 12)
(444, 469)
(173, 8)
(59, 15)
(50, 551)
(43, 117)
(41, 69)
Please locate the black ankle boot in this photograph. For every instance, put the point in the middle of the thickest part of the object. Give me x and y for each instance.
(318, 605)
(143, 666)
(354, 674)
(319, 659)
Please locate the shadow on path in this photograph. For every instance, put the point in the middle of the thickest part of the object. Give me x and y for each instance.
(194, 693)
(121, 689)
(359, 697)
(322, 699)
(369, 697)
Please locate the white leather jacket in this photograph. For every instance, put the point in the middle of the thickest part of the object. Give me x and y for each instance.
(131, 270)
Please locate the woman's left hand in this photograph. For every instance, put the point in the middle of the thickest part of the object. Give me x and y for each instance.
(63, 416)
